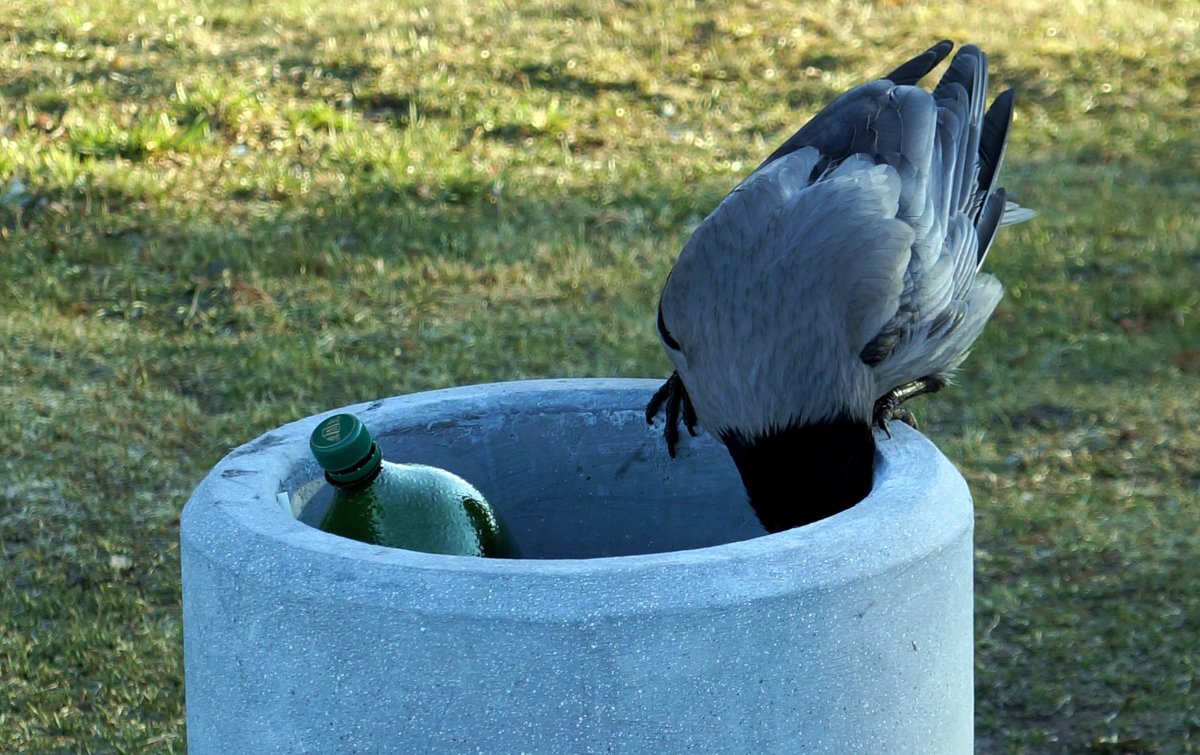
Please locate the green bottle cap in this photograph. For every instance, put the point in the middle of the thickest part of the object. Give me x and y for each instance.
(342, 443)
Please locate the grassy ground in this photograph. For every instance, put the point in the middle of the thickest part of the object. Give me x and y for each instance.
(216, 217)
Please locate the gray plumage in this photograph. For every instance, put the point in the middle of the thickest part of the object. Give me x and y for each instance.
(846, 268)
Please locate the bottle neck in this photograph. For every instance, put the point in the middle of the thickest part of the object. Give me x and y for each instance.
(361, 474)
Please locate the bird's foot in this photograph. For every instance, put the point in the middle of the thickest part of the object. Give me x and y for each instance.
(885, 410)
(888, 406)
(905, 416)
(674, 397)
(883, 415)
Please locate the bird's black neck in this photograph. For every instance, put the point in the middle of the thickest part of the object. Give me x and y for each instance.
(804, 473)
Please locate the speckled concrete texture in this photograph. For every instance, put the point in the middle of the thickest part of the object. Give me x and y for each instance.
(651, 614)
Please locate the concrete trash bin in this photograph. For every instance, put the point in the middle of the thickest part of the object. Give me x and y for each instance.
(650, 614)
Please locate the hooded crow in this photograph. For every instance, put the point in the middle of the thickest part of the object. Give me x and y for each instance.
(838, 280)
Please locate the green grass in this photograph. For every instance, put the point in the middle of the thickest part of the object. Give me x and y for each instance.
(218, 217)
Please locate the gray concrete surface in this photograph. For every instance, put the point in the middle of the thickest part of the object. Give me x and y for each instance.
(651, 614)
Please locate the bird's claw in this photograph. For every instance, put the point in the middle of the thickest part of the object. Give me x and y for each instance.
(888, 406)
(887, 410)
(674, 397)
(897, 413)
(907, 417)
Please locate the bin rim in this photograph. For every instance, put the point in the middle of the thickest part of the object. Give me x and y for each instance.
(918, 507)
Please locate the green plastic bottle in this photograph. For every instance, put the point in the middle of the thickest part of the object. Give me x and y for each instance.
(411, 506)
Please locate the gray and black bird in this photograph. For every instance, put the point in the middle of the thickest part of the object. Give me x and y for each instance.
(838, 280)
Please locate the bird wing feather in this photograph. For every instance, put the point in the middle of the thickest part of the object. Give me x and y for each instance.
(863, 232)
(946, 302)
(814, 265)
